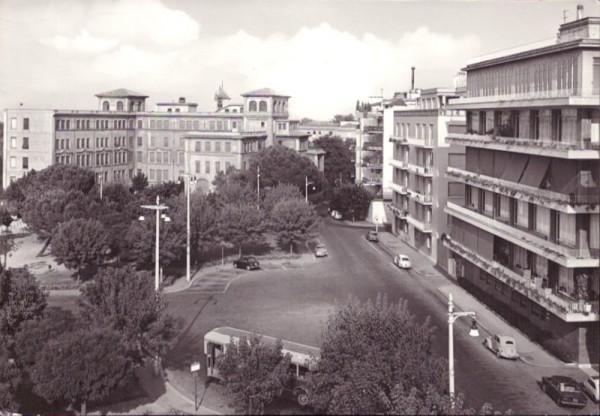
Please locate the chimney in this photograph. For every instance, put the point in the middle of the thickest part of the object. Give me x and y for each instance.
(579, 11)
(412, 78)
(181, 100)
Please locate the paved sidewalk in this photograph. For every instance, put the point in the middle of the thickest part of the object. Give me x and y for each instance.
(442, 284)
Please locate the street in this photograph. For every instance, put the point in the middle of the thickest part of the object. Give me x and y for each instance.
(293, 304)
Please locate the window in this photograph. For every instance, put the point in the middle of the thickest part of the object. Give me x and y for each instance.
(522, 213)
(25, 124)
(152, 175)
(504, 207)
(152, 124)
(158, 157)
(166, 157)
(105, 106)
(227, 164)
(151, 157)
(542, 220)
(227, 147)
(488, 202)
(207, 166)
(139, 141)
(262, 106)
(217, 146)
(198, 166)
(13, 162)
(182, 124)
(262, 124)
(139, 124)
(152, 141)
(165, 175)
(13, 123)
(159, 175)
(198, 146)
(166, 142)
(234, 125)
(13, 142)
(212, 125)
(87, 143)
(196, 125)
(139, 156)
(252, 106)
(217, 167)
(207, 147)
(219, 125)
(566, 229)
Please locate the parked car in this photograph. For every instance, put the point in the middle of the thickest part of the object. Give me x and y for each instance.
(246, 262)
(502, 346)
(592, 387)
(320, 250)
(564, 391)
(372, 236)
(336, 215)
(402, 261)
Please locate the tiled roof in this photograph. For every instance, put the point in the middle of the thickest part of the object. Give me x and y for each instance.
(121, 92)
(264, 92)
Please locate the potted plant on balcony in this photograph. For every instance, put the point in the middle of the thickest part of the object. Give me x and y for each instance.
(582, 281)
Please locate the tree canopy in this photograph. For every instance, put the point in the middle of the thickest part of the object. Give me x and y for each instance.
(10, 378)
(125, 300)
(241, 224)
(279, 193)
(338, 159)
(352, 200)
(81, 366)
(254, 373)
(21, 299)
(294, 222)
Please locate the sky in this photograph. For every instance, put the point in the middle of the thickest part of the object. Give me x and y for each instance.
(56, 54)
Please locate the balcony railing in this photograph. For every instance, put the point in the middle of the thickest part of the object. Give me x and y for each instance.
(373, 129)
(372, 146)
(541, 196)
(566, 310)
(420, 224)
(491, 140)
(372, 181)
(419, 197)
(525, 95)
(400, 213)
(372, 165)
(421, 170)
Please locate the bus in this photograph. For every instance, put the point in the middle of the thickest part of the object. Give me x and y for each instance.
(217, 340)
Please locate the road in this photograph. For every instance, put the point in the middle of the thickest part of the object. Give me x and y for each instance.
(294, 304)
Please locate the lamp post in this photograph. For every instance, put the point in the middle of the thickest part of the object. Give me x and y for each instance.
(306, 183)
(158, 207)
(189, 179)
(473, 332)
(101, 180)
(258, 186)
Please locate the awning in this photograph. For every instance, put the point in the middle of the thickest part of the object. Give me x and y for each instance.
(515, 167)
(535, 171)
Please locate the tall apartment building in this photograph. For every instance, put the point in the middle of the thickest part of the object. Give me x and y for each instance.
(525, 235)
(418, 161)
(122, 137)
(369, 149)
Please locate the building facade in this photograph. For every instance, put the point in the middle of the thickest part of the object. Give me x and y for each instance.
(121, 138)
(525, 233)
(419, 158)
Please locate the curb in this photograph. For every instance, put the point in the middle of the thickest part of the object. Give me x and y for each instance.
(169, 385)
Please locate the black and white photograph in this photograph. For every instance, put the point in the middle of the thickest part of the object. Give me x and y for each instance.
(299, 207)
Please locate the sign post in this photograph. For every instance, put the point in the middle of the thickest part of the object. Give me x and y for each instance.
(195, 367)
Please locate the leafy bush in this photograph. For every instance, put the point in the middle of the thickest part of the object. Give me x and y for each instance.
(559, 348)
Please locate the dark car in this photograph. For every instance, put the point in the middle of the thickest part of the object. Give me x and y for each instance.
(246, 262)
(564, 391)
(372, 236)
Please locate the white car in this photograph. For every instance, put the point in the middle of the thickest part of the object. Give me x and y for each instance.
(402, 261)
(320, 250)
(336, 215)
(592, 388)
(503, 346)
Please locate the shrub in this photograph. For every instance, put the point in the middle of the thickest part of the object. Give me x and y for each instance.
(559, 348)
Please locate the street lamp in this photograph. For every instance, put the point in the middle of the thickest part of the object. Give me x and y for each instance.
(258, 186)
(189, 179)
(306, 183)
(158, 207)
(101, 180)
(473, 332)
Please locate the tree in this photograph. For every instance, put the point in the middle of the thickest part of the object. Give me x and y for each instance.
(233, 187)
(21, 299)
(80, 243)
(55, 323)
(80, 367)
(279, 164)
(341, 117)
(125, 300)
(7, 245)
(241, 223)
(10, 378)
(165, 190)
(294, 221)
(352, 200)
(139, 182)
(5, 218)
(282, 192)
(338, 159)
(377, 359)
(254, 373)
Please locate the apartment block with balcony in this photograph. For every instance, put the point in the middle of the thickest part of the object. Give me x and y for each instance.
(525, 235)
(419, 160)
(369, 149)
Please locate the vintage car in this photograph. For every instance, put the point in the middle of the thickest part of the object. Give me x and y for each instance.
(320, 250)
(592, 387)
(372, 236)
(502, 346)
(246, 262)
(402, 261)
(336, 215)
(564, 391)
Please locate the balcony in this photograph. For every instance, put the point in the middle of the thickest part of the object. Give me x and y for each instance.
(568, 311)
(568, 203)
(582, 149)
(372, 146)
(401, 189)
(400, 164)
(369, 165)
(400, 213)
(565, 256)
(424, 199)
(424, 227)
(373, 129)
(426, 171)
